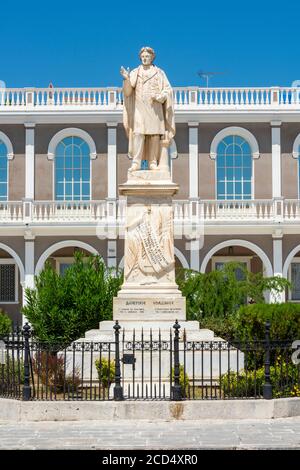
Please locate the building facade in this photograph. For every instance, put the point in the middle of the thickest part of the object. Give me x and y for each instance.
(63, 153)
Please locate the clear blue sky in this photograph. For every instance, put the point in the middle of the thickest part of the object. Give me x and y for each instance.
(84, 43)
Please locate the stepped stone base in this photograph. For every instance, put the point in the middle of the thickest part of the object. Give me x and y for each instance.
(128, 327)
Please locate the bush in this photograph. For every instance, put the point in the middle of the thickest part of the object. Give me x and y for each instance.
(50, 370)
(106, 371)
(220, 293)
(62, 308)
(184, 380)
(249, 322)
(284, 379)
(5, 324)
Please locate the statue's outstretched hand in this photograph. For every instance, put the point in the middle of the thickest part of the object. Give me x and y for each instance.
(124, 72)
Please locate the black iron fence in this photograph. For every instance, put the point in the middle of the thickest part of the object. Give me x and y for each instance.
(152, 365)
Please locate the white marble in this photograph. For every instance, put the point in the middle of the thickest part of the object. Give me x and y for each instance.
(148, 113)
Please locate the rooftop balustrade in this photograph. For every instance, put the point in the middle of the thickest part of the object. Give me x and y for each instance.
(12, 99)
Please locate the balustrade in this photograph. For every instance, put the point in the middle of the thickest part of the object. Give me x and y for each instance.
(184, 97)
(185, 211)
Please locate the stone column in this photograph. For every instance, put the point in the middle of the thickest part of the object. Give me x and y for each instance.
(29, 264)
(276, 159)
(194, 247)
(112, 160)
(277, 264)
(29, 160)
(111, 253)
(193, 160)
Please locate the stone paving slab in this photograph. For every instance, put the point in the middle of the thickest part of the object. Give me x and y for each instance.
(205, 434)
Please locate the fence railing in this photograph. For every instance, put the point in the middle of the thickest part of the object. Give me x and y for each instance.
(184, 97)
(147, 366)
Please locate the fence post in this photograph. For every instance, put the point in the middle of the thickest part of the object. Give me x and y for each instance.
(267, 387)
(176, 389)
(118, 389)
(26, 387)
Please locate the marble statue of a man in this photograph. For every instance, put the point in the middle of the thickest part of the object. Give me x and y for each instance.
(148, 114)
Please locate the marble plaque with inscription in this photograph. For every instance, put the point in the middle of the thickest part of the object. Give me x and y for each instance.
(166, 308)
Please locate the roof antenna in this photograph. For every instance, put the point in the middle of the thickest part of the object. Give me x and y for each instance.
(208, 75)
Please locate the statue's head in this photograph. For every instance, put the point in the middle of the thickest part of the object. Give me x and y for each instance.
(147, 55)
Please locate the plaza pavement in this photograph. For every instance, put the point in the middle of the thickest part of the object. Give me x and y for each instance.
(281, 433)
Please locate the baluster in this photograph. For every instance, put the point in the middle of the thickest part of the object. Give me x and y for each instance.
(180, 97)
(221, 97)
(251, 96)
(205, 96)
(185, 97)
(226, 97)
(200, 96)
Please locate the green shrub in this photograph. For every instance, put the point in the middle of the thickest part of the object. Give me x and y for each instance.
(249, 322)
(106, 371)
(284, 379)
(220, 293)
(5, 324)
(62, 308)
(184, 380)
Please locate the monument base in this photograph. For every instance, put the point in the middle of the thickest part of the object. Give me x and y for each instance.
(149, 309)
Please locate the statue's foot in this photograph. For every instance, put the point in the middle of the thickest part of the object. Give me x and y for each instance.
(153, 166)
(134, 167)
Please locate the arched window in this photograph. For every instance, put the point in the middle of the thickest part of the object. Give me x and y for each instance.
(234, 168)
(3, 172)
(72, 170)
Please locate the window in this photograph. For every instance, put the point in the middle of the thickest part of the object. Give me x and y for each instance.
(218, 263)
(234, 169)
(63, 263)
(3, 172)
(72, 170)
(294, 276)
(8, 281)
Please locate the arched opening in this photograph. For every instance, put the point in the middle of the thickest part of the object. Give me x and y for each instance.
(61, 254)
(239, 249)
(11, 280)
(291, 271)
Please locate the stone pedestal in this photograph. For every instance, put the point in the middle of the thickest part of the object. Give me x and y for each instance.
(149, 292)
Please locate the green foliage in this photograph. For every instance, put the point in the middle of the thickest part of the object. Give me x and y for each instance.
(106, 371)
(214, 298)
(249, 322)
(62, 308)
(220, 293)
(5, 324)
(184, 380)
(284, 379)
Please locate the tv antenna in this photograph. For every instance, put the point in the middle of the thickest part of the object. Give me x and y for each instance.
(207, 75)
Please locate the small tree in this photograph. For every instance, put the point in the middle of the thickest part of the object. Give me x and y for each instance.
(212, 298)
(62, 308)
